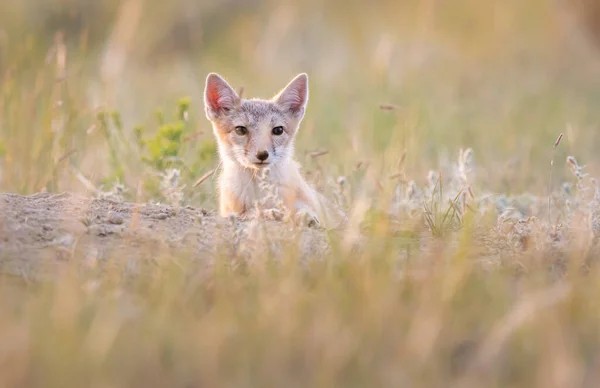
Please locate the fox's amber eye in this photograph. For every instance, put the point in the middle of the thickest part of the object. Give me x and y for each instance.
(241, 130)
(277, 131)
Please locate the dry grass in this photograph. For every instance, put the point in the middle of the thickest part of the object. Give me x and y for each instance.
(453, 272)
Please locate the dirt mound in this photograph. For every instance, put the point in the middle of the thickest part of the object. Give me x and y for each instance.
(44, 232)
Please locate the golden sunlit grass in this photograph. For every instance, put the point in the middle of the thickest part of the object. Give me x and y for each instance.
(467, 259)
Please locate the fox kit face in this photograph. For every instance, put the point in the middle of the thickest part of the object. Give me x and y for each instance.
(255, 133)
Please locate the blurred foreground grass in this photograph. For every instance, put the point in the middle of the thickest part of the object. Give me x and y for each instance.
(107, 96)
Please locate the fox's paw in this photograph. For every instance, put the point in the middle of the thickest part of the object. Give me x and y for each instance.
(234, 218)
(273, 214)
(304, 217)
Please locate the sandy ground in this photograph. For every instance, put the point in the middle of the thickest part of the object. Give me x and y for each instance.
(44, 232)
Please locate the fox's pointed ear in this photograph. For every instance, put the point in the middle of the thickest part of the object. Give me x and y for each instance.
(219, 97)
(294, 96)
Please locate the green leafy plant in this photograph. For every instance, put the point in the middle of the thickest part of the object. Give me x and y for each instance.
(163, 149)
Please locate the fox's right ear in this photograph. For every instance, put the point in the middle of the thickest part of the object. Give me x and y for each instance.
(219, 97)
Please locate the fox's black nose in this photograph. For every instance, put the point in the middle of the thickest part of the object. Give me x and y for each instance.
(262, 155)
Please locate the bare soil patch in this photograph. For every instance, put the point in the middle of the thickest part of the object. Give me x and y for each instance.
(45, 232)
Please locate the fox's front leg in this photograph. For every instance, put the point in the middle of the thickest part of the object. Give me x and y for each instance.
(305, 216)
(230, 204)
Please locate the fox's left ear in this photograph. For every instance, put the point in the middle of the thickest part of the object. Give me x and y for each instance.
(294, 96)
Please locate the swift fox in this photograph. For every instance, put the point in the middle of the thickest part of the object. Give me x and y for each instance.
(255, 136)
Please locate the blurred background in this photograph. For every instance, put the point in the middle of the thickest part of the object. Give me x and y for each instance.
(504, 77)
(106, 98)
